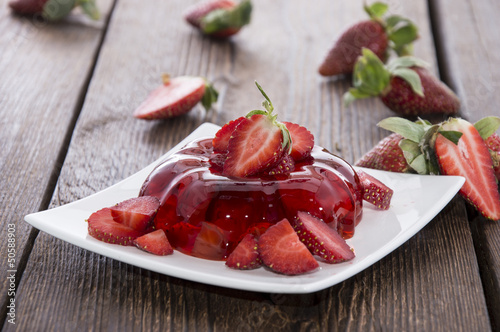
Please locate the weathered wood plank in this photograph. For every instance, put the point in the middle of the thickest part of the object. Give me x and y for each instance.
(44, 69)
(470, 56)
(430, 283)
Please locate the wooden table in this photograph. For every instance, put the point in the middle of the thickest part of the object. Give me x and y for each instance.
(67, 92)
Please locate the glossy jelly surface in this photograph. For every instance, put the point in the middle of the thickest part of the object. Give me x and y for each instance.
(206, 214)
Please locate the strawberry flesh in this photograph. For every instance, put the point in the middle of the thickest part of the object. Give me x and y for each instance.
(102, 227)
(471, 159)
(321, 239)
(375, 192)
(246, 255)
(137, 213)
(493, 143)
(155, 243)
(221, 139)
(256, 145)
(302, 141)
(281, 250)
(176, 97)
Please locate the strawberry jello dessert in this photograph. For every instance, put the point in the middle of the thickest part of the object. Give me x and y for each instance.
(258, 193)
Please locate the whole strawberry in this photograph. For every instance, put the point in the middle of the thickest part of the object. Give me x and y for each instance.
(378, 34)
(219, 18)
(386, 156)
(404, 86)
(440, 149)
(53, 10)
(176, 96)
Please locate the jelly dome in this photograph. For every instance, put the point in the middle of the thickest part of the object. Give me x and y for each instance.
(205, 214)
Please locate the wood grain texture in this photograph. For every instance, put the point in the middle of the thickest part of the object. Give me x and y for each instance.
(45, 68)
(430, 283)
(470, 56)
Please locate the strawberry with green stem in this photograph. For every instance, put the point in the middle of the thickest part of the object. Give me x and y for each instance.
(380, 34)
(176, 96)
(258, 143)
(54, 10)
(219, 18)
(404, 85)
(453, 147)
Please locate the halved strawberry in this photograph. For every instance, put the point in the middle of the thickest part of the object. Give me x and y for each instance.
(102, 227)
(374, 191)
(321, 239)
(470, 158)
(221, 139)
(258, 143)
(281, 250)
(176, 96)
(155, 243)
(246, 255)
(137, 213)
(302, 141)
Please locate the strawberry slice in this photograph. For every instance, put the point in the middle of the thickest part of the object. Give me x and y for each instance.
(302, 141)
(137, 213)
(155, 243)
(175, 97)
(470, 158)
(374, 191)
(245, 256)
(281, 250)
(256, 145)
(321, 239)
(104, 228)
(221, 139)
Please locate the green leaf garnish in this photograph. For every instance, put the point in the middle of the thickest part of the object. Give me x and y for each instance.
(487, 126)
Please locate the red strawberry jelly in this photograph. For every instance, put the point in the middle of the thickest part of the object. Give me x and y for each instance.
(206, 214)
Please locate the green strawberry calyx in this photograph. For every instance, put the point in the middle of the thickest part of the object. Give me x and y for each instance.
(269, 108)
(54, 10)
(210, 96)
(419, 138)
(222, 19)
(372, 78)
(401, 31)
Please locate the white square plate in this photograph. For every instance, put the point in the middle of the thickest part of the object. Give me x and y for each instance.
(417, 199)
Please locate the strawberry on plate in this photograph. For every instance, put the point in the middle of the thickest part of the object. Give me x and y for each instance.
(246, 255)
(302, 141)
(103, 227)
(221, 139)
(281, 250)
(321, 239)
(374, 191)
(258, 143)
(405, 86)
(219, 18)
(176, 96)
(379, 34)
(155, 243)
(137, 213)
